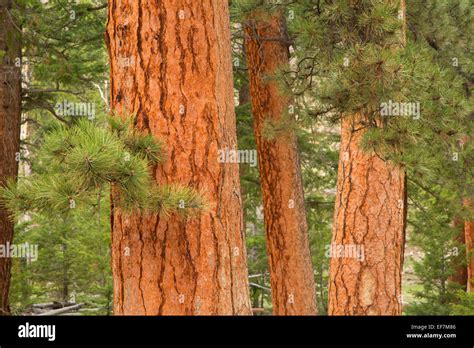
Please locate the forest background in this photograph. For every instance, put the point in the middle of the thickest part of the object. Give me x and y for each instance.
(65, 65)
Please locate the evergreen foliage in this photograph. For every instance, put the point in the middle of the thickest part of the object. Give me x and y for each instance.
(347, 57)
(85, 159)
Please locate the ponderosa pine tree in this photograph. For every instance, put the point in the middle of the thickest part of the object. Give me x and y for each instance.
(348, 63)
(291, 270)
(171, 66)
(10, 114)
(370, 213)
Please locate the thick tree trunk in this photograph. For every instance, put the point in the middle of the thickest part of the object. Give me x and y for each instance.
(171, 65)
(10, 113)
(291, 271)
(368, 231)
(368, 241)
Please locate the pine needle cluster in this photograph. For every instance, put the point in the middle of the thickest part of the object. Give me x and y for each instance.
(83, 160)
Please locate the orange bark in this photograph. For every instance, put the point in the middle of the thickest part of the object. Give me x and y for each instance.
(10, 113)
(469, 233)
(369, 218)
(171, 65)
(469, 230)
(469, 239)
(370, 214)
(460, 273)
(291, 271)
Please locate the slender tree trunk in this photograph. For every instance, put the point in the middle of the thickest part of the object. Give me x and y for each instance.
(10, 114)
(66, 266)
(171, 65)
(460, 275)
(291, 271)
(244, 98)
(469, 223)
(469, 238)
(469, 230)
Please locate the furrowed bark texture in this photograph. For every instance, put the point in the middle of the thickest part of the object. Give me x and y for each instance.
(469, 238)
(291, 270)
(370, 214)
(469, 230)
(10, 114)
(460, 273)
(171, 65)
(369, 225)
